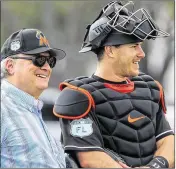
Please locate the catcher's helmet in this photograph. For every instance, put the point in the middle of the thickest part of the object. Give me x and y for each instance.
(118, 24)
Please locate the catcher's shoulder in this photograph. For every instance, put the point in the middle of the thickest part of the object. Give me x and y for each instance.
(73, 101)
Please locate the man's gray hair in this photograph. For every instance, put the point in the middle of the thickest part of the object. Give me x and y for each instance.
(4, 71)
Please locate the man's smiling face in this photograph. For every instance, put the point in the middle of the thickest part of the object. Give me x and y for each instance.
(30, 78)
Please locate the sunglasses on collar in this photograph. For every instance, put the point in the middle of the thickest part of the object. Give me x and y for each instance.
(39, 60)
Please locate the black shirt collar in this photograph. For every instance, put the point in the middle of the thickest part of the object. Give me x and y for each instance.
(97, 78)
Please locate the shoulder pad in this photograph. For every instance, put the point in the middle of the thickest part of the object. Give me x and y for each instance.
(73, 102)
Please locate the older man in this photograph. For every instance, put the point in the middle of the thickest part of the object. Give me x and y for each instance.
(116, 118)
(27, 61)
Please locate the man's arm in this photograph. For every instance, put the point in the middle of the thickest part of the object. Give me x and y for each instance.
(164, 136)
(164, 133)
(88, 150)
(165, 148)
(97, 159)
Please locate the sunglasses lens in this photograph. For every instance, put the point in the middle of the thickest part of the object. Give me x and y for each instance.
(39, 61)
(52, 61)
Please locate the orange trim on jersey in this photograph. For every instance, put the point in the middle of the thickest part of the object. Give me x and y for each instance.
(122, 88)
(161, 96)
(90, 98)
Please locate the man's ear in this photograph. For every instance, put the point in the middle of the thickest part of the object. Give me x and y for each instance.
(109, 51)
(10, 66)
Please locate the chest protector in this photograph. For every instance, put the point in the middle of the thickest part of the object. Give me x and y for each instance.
(126, 115)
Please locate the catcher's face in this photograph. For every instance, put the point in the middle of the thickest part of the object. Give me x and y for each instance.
(30, 78)
(126, 59)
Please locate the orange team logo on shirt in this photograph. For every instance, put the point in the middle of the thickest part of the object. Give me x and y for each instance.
(42, 38)
(132, 120)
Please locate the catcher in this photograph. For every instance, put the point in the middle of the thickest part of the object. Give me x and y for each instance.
(116, 117)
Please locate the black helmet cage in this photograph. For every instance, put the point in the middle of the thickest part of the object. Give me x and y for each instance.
(123, 19)
(138, 23)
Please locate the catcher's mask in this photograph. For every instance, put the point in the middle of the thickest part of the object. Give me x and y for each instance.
(119, 24)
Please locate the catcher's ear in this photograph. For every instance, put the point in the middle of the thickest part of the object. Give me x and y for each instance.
(111, 51)
(108, 51)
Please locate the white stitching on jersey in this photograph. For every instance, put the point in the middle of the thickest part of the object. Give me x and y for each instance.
(164, 133)
(70, 146)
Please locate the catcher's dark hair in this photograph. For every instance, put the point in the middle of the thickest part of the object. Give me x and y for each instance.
(100, 52)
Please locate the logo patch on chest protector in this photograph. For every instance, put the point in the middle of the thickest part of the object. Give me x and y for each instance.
(132, 120)
(81, 128)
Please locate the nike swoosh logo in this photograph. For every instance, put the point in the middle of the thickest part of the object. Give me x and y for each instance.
(132, 120)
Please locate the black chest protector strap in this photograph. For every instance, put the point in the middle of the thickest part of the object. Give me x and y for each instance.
(73, 102)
